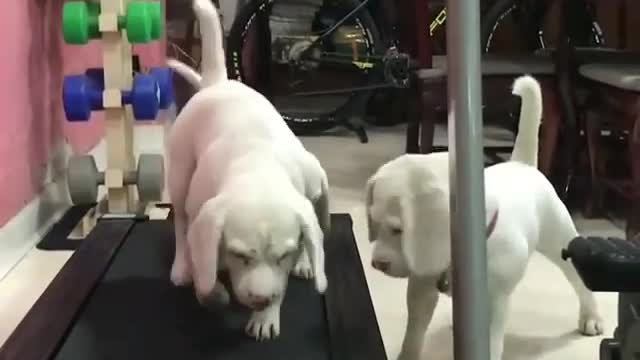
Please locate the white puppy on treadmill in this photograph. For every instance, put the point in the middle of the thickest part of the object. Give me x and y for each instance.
(246, 194)
(407, 202)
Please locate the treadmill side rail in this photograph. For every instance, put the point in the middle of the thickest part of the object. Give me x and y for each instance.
(54, 312)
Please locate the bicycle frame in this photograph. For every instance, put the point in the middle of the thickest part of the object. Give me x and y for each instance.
(372, 61)
(437, 22)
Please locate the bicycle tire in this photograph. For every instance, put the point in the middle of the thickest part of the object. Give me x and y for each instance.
(300, 125)
(502, 8)
(490, 20)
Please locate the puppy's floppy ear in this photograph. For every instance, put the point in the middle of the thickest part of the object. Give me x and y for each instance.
(368, 202)
(204, 237)
(313, 241)
(425, 236)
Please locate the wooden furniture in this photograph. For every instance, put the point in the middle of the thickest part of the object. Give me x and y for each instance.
(429, 87)
(610, 112)
(603, 90)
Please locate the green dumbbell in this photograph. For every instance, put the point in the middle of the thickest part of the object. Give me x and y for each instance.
(155, 8)
(143, 22)
(80, 22)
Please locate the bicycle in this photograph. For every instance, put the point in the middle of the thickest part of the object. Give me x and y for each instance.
(338, 42)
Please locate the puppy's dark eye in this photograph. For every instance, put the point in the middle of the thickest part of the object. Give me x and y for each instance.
(396, 231)
(242, 257)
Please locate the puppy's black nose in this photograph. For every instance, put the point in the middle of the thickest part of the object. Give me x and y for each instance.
(380, 265)
(260, 305)
(259, 302)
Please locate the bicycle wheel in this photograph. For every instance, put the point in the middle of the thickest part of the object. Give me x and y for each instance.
(335, 63)
(522, 26)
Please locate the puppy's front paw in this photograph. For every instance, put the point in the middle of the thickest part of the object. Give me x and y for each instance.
(264, 325)
(180, 274)
(303, 268)
(591, 324)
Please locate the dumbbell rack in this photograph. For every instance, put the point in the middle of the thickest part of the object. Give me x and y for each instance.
(112, 27)
(117, 53)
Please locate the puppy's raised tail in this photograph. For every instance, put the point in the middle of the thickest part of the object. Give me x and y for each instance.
(214, 67)
(186, 71)
(525, 149)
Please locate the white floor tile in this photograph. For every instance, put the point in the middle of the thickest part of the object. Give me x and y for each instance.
(543, 316)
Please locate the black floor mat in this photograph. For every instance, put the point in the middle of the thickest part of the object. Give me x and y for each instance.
(136, 313)
(57, 238)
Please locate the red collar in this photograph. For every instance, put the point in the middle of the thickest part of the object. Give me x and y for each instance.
(492, 223)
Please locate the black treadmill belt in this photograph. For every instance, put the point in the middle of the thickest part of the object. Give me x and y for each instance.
(136, 313)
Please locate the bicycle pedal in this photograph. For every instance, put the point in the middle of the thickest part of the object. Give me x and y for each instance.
(606, 264)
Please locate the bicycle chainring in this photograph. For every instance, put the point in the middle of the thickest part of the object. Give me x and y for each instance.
(290, 50)
(308, 62)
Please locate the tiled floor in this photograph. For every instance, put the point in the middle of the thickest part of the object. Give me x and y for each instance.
(543, 316)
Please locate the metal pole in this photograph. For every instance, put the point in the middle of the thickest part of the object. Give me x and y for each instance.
(466, 158)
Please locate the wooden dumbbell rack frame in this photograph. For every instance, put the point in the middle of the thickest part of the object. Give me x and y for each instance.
(117, 54)
(121, 199)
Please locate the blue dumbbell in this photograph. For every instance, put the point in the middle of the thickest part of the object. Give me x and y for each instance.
(164, 77)
(82, 94)
(97, 75)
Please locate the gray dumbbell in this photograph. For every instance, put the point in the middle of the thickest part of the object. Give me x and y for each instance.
(83, 178)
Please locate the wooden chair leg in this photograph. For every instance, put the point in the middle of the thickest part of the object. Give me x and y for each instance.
(594, 204)
(550, 129)
(633, 215)
(567, 153)
(413, 123)
(427, 119)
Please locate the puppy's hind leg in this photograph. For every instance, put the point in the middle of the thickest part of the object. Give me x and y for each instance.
(498, 309)
(589, 321)
(181, 272)
(180, 171)
(506, 264)
(303, 268)
(179, 178)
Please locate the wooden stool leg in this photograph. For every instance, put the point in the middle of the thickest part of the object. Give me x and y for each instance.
(633, 216)
(550, 129)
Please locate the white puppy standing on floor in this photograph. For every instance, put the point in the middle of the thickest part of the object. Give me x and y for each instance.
(407, 203)
(247, 196)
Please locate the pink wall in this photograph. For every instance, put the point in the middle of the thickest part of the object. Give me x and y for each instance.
(32, 67)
